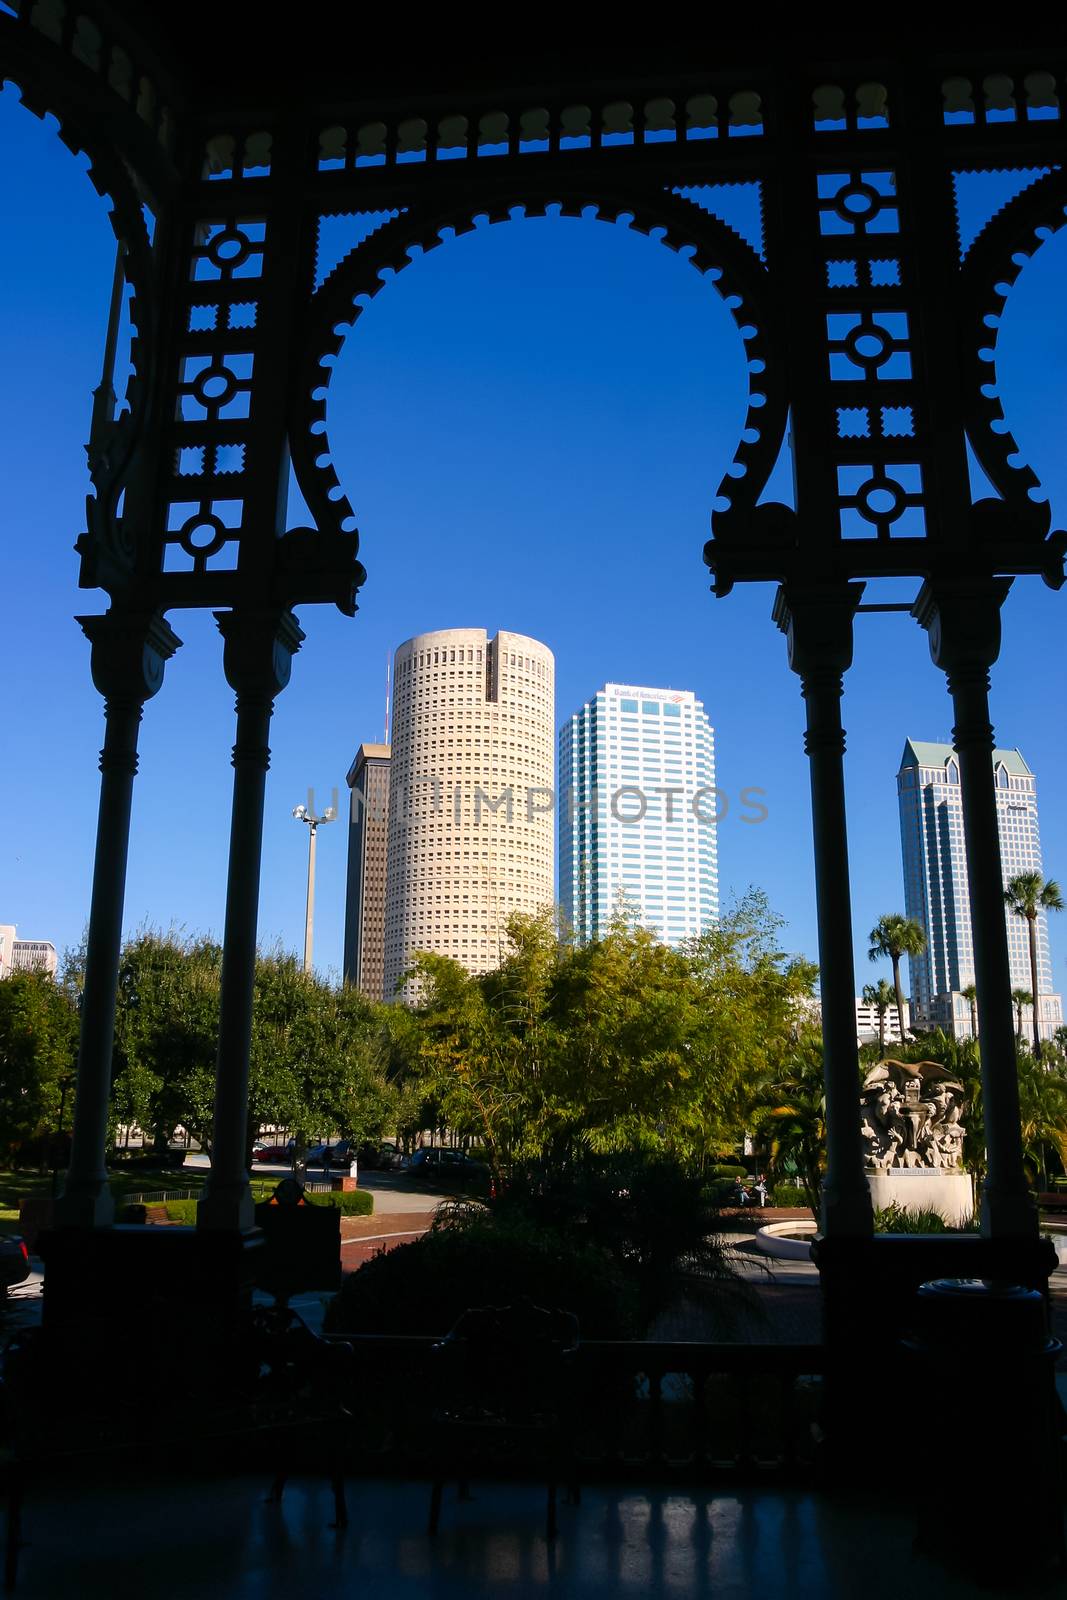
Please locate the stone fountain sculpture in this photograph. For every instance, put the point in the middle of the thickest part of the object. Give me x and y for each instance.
(911, 1123)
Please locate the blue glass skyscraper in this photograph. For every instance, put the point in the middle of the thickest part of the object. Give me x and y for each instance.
(637, 813)
(937, 890)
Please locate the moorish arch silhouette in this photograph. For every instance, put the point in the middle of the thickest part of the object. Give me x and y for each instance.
(727, 262)
(864, 324)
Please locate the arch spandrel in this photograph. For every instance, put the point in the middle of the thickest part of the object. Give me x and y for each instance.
(990, 270)
(163, 118)
(53, 81)
(713, 248)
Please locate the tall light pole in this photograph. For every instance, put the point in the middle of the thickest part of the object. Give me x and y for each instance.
(303, 814)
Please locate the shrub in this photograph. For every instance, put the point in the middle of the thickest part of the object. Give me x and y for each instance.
(899, 1219)
(360, 1203)
(424, 1287)
(787, 1194)
(656, 1220)
(356, 1203)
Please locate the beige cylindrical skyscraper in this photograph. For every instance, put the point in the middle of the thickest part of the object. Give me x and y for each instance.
(471, 804)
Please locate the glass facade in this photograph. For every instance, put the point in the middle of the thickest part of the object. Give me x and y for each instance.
(936, 886)
(638, 812)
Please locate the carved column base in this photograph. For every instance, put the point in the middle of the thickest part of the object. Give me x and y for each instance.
(86, 1203)
(227, 1206)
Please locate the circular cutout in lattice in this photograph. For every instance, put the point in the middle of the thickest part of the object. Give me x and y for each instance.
(215, 386)
(880, 500)
(229, 248)
(868, 347)
(857, 201)
(202, 534)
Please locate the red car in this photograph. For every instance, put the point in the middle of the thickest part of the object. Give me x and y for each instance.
(275, 1153)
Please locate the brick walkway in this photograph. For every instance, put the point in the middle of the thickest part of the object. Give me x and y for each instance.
(363, 1237)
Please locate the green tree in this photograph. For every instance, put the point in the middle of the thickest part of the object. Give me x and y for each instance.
(1042, 1101)
(465, 1068)
(166, 1033)
(970, 994)
(1027, 895)
(317, 1054)
(620, 1044)
(317, 1061)
(789, 1116)
(880, 996)
(895, 936)
(38, 1049)
(1042, 1115)
(1021, 998)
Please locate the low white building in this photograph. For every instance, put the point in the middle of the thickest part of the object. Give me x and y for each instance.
(25, 955)
(867, 1022)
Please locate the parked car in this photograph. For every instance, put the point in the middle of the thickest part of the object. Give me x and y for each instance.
(380, 1158)
(275, 1153)
(449, 1166)
(14, 1263)
(332, 1155)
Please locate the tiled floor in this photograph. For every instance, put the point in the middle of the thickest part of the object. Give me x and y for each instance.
(175, 1540)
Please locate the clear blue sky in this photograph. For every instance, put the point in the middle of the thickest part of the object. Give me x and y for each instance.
(531, 424)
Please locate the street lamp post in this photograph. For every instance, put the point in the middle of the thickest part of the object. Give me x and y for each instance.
(304, 814)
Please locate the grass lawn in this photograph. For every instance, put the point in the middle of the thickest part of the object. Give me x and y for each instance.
(16, 1185)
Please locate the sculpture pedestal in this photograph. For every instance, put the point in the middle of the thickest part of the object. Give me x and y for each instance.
(950, 1194)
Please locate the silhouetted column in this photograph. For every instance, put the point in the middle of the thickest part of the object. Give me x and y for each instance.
(128, 657)
(962, 620)
(818, 627)
(257, 657)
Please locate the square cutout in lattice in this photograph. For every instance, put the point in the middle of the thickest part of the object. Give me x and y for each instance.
(853, 422)
(885, 273)
(203, 319)
(229, 458)
(242, 314)
(898, 422)
(842, 275)
(191, 461)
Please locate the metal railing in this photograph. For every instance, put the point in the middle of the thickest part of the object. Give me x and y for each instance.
(669, 1409)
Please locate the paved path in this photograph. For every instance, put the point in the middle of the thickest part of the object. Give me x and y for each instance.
(402, 1212)
(396, 1195)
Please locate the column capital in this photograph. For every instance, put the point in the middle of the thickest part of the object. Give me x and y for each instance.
(129, 651)
(962, 621)
(259, 646)
(817, 622)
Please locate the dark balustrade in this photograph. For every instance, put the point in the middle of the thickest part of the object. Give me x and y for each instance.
(647, 1409)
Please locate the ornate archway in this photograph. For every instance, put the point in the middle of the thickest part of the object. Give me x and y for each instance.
(714, 250)
(869, 330)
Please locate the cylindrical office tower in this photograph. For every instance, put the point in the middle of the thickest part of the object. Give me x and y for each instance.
(471, 803)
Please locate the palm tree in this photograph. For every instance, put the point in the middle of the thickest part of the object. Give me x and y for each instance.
(970, 994)
(789, 1117)
(1027, 895)
(1042, 1116)
(895, 936)
(1021, 998)
(880, 996)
